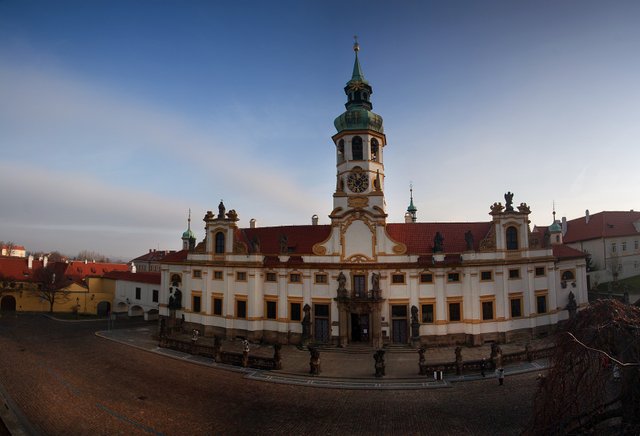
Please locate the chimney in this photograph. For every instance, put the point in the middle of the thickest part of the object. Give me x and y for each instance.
(408, 218)
(314, 220)
(564, 225)
(133, 268)
(252, 223)
(30, 262)
(45, 260)
(150, 250)
(586, 216)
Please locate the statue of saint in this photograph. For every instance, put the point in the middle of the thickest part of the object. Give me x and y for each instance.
(508, 198)
(342, 281)
(438, 241)
(221, 210)
(468, 238)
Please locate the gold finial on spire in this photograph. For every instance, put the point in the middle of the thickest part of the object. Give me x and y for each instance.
(356, 46)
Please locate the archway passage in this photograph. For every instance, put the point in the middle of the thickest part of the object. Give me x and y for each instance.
(8, 304)
(104, 307)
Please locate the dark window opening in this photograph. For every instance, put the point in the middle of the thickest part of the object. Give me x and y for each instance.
(241, 309)
(295, 311)
(512, 238)
(427, 313)
(271, 310)
(217, 306)
(356, 148)
(219, 248)
(516, 308)
(487, 310)
(196, 303)
(454, 312)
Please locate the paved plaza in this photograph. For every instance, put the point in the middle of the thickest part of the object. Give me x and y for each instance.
(62, 378)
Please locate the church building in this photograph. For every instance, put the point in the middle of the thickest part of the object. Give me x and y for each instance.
(363, 280)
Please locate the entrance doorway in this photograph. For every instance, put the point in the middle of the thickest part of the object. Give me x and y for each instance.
(399, 328)
(8, 304)
(321, 331)
(103, 308)
(360, 329)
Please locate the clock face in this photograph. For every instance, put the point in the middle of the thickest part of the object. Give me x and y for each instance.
(357, 182)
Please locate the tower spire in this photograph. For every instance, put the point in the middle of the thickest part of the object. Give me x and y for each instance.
(358, 75)
(411, 210)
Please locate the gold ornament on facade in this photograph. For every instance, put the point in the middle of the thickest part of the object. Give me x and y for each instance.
(496, 208)
(399, 248)
(319, 250)
(523, 208)
(358, 202)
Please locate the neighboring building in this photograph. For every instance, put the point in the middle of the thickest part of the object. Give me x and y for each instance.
(151, 261)
(13, 250)
(136, 293)
(612, 240)
(363, 280)
(20, 281)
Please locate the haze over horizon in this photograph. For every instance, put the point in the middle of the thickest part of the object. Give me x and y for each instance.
(117, 117)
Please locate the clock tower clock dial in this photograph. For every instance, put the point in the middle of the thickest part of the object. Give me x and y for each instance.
(357, 182)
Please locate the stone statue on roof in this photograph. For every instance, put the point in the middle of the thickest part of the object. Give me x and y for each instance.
(438, 243)
(221, 210)
(508, 198)
(468, 238)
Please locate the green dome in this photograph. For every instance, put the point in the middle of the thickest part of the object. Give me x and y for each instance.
(555, 227)
(188, 234)
(359, 119)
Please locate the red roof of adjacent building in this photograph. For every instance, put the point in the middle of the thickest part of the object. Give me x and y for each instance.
(152, 278)
(176, 256)
(79, 270)
(562, 251)
(606, 224)
(17, 268)
(153, 256)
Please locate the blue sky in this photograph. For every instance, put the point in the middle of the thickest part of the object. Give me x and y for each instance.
(116, 117)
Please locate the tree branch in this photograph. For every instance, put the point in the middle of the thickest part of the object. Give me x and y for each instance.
(613, 359)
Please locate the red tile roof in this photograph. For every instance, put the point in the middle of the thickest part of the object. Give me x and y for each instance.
(606, 224)
(177, 256)
(79, 270)
(418, 237)
(153, 256)
(142, 277)
(300, 239)
(562, 251)
(17, 268)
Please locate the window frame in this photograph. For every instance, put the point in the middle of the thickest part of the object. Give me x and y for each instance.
(214, 299)
(271, 277)
(267, 303)
(484, 279)
(218, 275)
(514, 274)
(241, 276)
(401, 278)
(423, 277)
(453, 277)
(241, 300)
(290, 313)
(544, 271)
(219, 242)
(422, 312)
(323, 281)
(520, 300)
(295, 278)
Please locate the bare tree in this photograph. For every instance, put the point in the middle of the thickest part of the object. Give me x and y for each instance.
(6, 248)
(51, 283)
(92, 255)
(593, 385)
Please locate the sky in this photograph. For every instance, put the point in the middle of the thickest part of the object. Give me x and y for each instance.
(117, 117)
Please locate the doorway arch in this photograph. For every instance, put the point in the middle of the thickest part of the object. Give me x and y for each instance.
(8, 304)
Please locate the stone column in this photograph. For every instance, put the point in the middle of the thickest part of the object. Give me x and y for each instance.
(343, 325)
(376, 326)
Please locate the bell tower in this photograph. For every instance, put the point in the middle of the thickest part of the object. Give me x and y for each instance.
(359, 152)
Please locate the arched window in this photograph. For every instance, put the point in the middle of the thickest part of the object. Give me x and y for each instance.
(374, 150)
(341, 150)
(512, 238)
(568, 275)
(219, 243)
(356, 148)
(176, 280)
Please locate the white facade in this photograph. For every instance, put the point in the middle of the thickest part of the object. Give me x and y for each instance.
(363, 280)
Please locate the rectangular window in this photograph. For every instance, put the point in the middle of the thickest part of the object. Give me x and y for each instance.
(217, 275)
(453, 277)
(295, 278)
(197, 273)
(138, 293)
(398, 311)
(271, 277)
(196, 303)
(636, 244)
(321, 310)
(271, 309)
(516, 307)
(487, 310)
(241, 276)
(614, 247)
(321, 278)
(540, 271)
(426, 278)
(427, 314)
(155, 295)
(541, 303)
(514, 273)
(397, 279)
(455, 312)
(624, 246)
(295, 311)
(486, 275)
(241, 309)
(359, 285)
(217, 306)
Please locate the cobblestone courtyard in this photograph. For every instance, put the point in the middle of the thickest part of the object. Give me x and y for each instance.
(67, 381)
